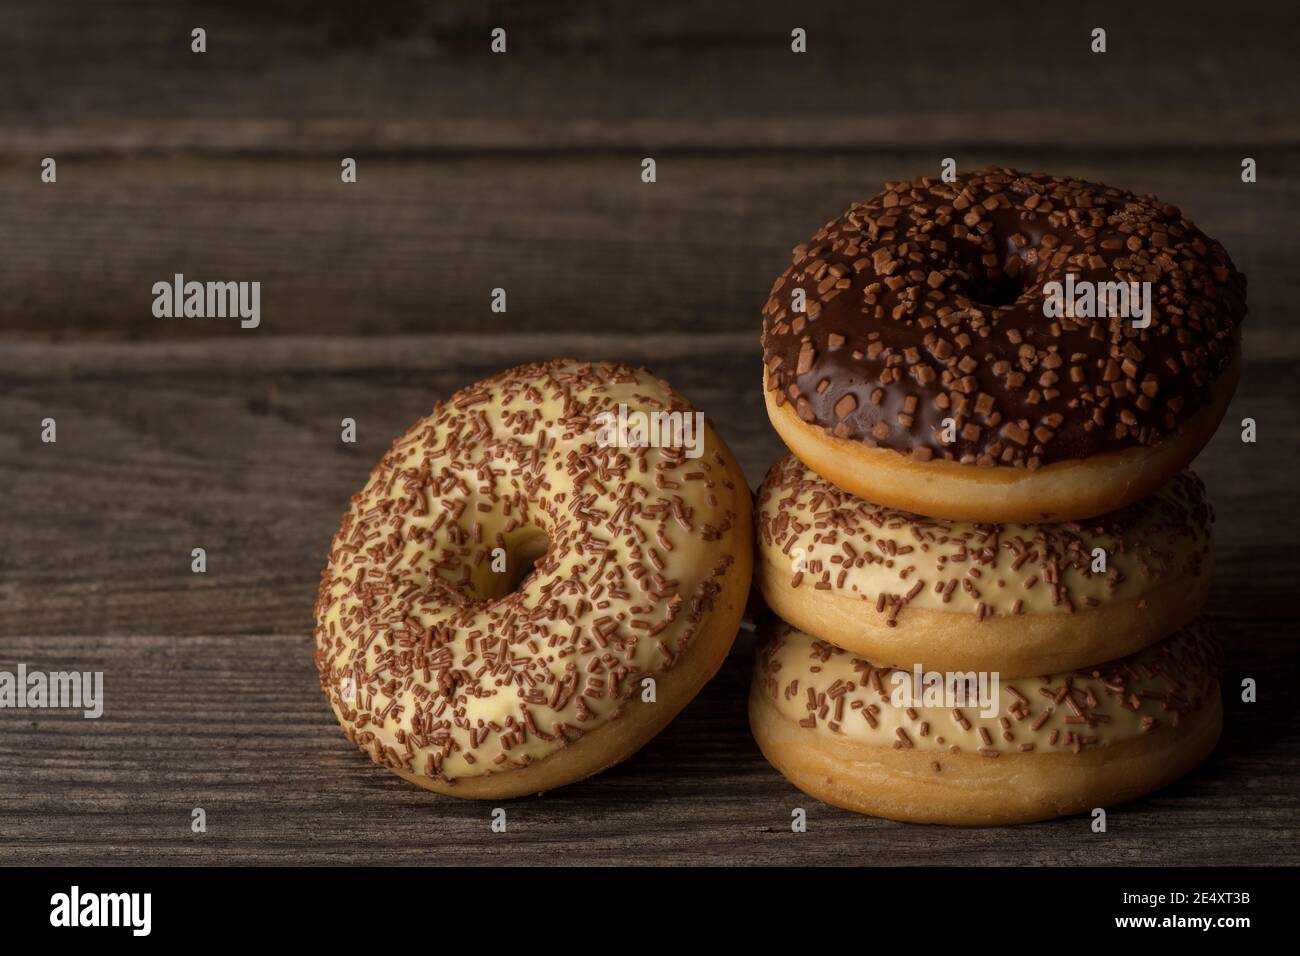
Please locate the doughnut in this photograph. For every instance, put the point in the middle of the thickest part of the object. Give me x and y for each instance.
(955, 595)
(910, 357)
(525, 591)
(831, 723)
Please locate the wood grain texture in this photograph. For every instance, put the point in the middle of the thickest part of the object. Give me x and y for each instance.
(579, 243)
(324, 75)
(212, 701)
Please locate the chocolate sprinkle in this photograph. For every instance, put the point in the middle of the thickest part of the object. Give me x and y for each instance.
(894, 559)
(438, 666)
(1090, 707)
(925, 303)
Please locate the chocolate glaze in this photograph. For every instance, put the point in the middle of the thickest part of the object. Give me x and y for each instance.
(926, 303)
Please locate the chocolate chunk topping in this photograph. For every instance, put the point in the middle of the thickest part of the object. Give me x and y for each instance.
(926, 303)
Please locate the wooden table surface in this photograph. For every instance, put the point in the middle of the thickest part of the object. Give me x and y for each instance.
(522, 172)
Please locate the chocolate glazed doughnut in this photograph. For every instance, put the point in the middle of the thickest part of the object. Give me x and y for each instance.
(924, 373)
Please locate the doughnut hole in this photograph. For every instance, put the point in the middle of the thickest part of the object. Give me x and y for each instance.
(995, 292)
(1004, 285)
(524, 547)
(493, 570)
(484, 568)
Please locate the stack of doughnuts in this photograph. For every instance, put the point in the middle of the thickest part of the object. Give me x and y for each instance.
(986, 553)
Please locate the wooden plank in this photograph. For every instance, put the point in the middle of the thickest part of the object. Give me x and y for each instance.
(333, 75)
(578, 242)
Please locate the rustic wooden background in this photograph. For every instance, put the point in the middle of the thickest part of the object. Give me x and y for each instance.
(522, 171)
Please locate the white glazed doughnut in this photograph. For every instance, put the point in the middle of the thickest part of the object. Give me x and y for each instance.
(953, 595)
(830, 722)
(516, 566)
